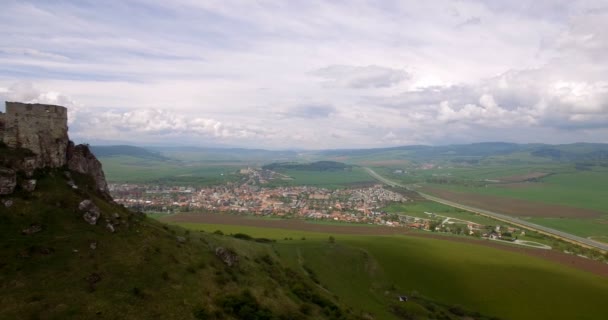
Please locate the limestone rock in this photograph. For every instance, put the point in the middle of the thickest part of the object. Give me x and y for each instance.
(181, 239)
(227, 256)
(93, 245)
(29, 185)
(110, 227)
(82, 160)
(28, 165)
(91, 211)
(7, 203)
(8, 180)
(33, 228)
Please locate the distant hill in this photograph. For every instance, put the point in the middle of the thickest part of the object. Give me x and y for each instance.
(314, 166)
(225, 154)
(125, 150)
(473, 153)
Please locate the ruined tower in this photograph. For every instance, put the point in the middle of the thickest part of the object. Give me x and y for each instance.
(41, 128)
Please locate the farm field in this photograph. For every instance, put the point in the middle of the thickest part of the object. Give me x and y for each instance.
(576, 189)
(521, 208)
(580, 227)
(326, 179)
(418, 209)
(506, 282)
(138, 170)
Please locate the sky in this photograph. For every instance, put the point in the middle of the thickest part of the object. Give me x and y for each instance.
(312, 74)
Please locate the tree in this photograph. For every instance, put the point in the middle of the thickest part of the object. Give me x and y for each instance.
(332, 239)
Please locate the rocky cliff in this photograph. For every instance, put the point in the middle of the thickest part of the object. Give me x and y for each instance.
(80, 159)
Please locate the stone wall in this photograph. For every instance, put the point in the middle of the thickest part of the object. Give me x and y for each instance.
(41, 128)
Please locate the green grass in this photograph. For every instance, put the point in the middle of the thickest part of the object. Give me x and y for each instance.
(360, 269)
(138, 170)
(566, 186)
(418, 209)
(141, 271)
(327, 179)
(340, 223)
(579, 227)
(581, 189)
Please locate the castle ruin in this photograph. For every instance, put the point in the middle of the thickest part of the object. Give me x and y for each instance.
(43, 130)
(40, 128)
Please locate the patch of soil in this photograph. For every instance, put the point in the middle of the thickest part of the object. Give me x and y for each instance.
(514, 207)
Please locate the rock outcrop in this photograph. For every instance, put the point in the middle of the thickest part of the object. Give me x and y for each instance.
(8, 180)
(29, 185)
(227, 256)
(82, 160)
(91, 211)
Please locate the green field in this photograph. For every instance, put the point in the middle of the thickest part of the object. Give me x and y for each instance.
(581, 189)
(326, 179)
(566, 186)
(138, 170)
(369, 271)
(418, 209)
(579, 227)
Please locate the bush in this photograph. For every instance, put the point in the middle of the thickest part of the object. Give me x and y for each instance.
(243, 236)
(218, 232)
(245, 307)
(264, 240)
(201, 314)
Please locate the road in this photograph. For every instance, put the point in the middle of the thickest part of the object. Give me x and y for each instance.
(502, 217)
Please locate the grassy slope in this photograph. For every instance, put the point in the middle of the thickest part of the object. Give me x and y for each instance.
(144, 272)
(360, 269)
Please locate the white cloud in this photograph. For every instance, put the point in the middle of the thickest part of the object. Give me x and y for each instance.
(313, 74)
(358, 77)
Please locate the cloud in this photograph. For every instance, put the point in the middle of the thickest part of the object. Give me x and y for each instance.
(369, 73)
(469, 22)
(310, 111)
(357, 77)
(26, 92)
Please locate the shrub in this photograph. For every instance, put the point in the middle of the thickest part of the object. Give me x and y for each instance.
(201, 313)
(243, 236)
(244, 306)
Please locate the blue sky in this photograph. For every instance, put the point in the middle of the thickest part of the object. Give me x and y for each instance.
(312, 74)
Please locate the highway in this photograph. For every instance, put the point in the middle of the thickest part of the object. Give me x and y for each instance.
(502, 217)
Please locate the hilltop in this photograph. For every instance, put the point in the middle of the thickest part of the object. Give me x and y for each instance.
(69, 251)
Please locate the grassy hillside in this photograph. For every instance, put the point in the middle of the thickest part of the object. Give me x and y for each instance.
(65, 268)
(369, 272)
